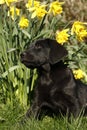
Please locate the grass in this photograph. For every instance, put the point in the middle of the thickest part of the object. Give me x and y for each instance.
(11, 116)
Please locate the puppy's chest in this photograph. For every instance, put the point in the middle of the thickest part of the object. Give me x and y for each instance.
(51, 80)
(44, 87)
(56, 79)
(45, 80)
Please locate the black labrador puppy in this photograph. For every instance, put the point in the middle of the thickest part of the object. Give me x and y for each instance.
(57, 90)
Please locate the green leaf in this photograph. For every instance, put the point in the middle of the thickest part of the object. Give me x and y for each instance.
(26, 33)
(10, 70)
(15, 31)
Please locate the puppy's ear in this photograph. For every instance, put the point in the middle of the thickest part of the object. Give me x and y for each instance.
(57, 51)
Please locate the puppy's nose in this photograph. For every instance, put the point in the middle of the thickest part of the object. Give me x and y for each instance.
(23, 55)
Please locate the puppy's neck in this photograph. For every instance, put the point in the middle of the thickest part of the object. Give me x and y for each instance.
(44, 70)
(47, 68)
(59, 65)
(45, 75)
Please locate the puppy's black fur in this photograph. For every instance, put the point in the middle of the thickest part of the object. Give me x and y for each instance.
(57, 90)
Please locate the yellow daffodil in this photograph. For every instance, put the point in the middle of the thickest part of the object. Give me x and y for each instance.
(78, 74)
(80, 30)
(13, 11)
(32, 4)
(77, 27)
(82, 35)
(56, 8)
(38, 11)
(24, 22)
(62, 36)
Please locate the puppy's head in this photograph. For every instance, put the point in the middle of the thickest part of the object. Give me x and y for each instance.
(43, 52)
